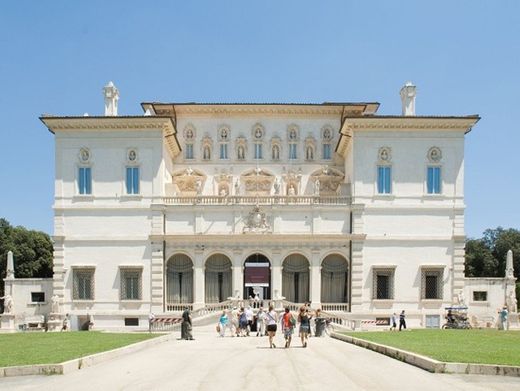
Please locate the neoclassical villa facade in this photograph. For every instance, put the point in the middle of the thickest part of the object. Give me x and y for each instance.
(190, 204)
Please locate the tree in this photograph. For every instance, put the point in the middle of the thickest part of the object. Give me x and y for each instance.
(486, 257)
(32, 251)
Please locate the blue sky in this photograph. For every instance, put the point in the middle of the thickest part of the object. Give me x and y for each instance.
(464, 57)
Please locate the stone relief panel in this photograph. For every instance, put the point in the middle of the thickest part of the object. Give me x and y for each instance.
(434, 155)
(327, 181)
(257, 182)
(189, 182)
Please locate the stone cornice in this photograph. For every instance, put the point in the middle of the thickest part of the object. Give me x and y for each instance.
(122, 123)
(324, 109)
(410, 123)
(244, 239)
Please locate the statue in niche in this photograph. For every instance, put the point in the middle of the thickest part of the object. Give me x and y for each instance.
(241, 153)
(291, 191)
(237, 187)
(317, 187)
(55, 304)
(511, 301)
(276, 152)
(206, 153)
(198, 186)
(276, 187)
(310, 153)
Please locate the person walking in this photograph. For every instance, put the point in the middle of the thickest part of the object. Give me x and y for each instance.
(249, 316)
(402, 321)
(503, 318)
(186, 325)
(393, 322)
(223, 323)
(260, 322)
(305, 325)
(288, 323)
(271, 318)
(234, 322)
(242, 322)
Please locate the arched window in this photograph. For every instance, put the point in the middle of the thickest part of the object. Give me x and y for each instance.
(224, 137)
(326, 139)
(179, 281)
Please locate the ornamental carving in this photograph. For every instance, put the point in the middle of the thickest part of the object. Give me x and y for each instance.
(310, 148)
(434, 155)
(326, 133)
(241, 148)
(84, 155)
(189, 182)
(293, 133)
(131, 156)
(258, 132)
(224, 134)
(276, 148)
(256, 222)
(327, 181)
(189, 132)
(223, 182)
(384, 155)
(207, 147)
(258, 182)
(292, 181)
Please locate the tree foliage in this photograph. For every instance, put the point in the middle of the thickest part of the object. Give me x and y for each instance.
(32, 251)
(486, 257)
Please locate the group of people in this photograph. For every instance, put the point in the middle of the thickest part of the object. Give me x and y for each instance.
(402, 321)
(242, 322)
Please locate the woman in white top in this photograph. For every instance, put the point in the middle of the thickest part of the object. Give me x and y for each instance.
(271, 318)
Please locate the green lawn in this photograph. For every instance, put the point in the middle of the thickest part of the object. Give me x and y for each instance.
(469, 346)
(53, 348)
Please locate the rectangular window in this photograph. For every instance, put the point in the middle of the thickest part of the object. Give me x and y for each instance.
(85, 180)
(384, 179)
(480, 296)
(431, 284)
(327, 149)
(83, 284)
(258, 151)
(434, 180)
(38, 297)
(292, 152)
(383, 284)
(130, 284)
(131, 321)
(223, 151)
(132, 180)
(189, 151)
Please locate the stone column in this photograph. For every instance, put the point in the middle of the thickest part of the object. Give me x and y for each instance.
(276, 275)
(198, 280)
(315, 279)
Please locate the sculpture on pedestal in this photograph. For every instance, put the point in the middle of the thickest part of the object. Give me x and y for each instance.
(55, 304)
(8, 304)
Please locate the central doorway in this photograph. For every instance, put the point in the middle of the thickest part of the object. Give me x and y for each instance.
(257, 277)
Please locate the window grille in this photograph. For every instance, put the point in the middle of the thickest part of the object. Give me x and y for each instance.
(383, 284)
(431, 284)
(83, 284)
(131, 284)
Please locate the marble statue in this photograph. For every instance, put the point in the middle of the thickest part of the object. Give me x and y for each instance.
(512, 303)
(8, 304)
(55, 304)
(317, 187)
(461, 300)
(241, 153)
(291, 191)
(276, 187)
(198, 187)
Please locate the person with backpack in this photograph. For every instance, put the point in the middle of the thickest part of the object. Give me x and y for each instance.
(305, 325)
(288, 324)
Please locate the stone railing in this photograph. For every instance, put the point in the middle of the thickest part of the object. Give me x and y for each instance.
(260, 200)
(213, 308)
(176, 307)
(335, 307)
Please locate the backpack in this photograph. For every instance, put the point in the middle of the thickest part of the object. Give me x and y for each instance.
(292, 321)
(243, 317)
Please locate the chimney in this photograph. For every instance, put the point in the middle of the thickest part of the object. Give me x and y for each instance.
(111, 94)
(408, 99)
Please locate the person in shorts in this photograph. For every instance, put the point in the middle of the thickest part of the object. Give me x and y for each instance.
(271, 318)
(304, 318)
(288, 323)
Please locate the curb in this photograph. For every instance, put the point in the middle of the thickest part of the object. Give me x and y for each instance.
(82, 362)
(430, 364)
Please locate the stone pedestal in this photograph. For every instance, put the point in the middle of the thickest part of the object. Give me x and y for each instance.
(55, 321)
(7, 324)
(514, 321)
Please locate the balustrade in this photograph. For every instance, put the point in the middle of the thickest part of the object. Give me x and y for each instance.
(260, 200)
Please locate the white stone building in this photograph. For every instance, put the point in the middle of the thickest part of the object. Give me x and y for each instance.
(190, 204)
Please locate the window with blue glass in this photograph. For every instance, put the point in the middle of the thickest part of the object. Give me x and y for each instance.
(327, 148)
(223, 151)
(85, 180)
(434, 180)
(132, 180)
(258, 151)
(292, 152)
(384, 179)
(189, 151)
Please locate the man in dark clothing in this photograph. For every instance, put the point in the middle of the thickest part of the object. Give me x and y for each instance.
(186, 325)
(402, 322)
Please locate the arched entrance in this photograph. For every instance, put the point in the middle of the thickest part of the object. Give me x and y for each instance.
(257, 277)
(334, 279)
(217, 279)
(295, 278)
(179, 281)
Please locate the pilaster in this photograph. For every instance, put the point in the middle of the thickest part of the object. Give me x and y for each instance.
(276, 273)
(199, 279)
(356, 284)
(58, 268)
(237, 271)
(157, 270)
(315, 278)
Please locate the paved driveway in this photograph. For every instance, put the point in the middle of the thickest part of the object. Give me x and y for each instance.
(212, 363)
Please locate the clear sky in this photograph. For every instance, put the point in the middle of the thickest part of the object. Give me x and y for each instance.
(464, 57)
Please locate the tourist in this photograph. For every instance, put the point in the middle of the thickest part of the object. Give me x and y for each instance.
(249, 316)
(402, 321)
(260, 322)
(271, 319)
(503, 318)
(186, 325)
(151, 318)
(234, 322)
(223, 323)
(65, 326)
(305, 325)
(393, 322)
(288, 323)
(319, 323)
(242, 322)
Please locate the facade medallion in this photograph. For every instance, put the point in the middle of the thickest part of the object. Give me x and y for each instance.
(256, 222)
